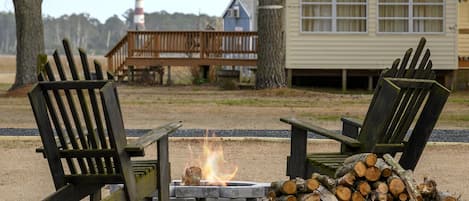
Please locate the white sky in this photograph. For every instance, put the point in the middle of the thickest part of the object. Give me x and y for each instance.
(103, 9)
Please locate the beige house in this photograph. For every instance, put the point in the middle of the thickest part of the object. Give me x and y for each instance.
(350, 42)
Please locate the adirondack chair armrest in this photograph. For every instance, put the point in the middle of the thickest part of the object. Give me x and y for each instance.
(321, 131)
(389, 148)
(137, 148)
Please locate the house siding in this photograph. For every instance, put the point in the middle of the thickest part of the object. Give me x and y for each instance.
(230, 23)
(369, 50)
(463, 23)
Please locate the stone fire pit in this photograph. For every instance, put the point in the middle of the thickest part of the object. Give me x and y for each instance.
(234, 191)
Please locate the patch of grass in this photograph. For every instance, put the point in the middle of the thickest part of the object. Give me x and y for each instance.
(461, 100)
(455, 117)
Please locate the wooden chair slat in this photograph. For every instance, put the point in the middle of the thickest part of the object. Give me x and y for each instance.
(58, 64)
(67, 123)
(93, 137)
(38, 104)
(70, 59)
(411, 69)
(402, 69)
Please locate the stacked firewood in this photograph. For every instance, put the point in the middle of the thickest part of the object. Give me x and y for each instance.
(362, 177)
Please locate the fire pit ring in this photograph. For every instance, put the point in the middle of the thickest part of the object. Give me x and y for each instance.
(235, 190)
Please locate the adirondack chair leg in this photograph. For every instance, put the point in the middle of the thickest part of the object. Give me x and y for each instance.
(424, 127)
(163, 169)
(296, 165)
(349, 131)
(96, 196)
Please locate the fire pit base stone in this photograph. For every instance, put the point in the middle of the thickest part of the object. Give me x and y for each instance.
(234, 191)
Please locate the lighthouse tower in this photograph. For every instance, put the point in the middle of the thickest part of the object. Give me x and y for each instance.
(139, 17)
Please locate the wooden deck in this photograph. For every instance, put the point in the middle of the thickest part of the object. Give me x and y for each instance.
(141, 49)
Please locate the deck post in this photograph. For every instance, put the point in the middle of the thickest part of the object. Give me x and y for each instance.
(202, 36)
(289, 78)
(169, 82)
(370, 83)
(344, 80)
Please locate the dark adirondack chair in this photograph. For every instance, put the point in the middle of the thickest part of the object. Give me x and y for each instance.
(84, 141)
(405, 99)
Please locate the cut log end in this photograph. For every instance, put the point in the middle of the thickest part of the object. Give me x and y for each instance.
(312, 184)
(284, 187)
(364, 188)
(373, 174)
(357, 196)
(396, 185)
(360, 169)
(343, 193)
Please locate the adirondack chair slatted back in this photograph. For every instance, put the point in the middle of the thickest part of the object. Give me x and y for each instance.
(394, 128)
(400, 103)
(78, 145)
(402, 68)
(62, 72)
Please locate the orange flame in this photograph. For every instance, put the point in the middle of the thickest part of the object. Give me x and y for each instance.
(215, 170)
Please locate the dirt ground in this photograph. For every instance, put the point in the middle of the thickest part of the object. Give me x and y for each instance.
(24, 175)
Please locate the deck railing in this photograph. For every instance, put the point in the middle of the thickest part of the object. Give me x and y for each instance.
(183, 44)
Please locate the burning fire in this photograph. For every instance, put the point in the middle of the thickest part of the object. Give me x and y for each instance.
(215, 170)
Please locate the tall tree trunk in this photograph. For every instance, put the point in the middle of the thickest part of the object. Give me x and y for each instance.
(271, 54)
(30, 40)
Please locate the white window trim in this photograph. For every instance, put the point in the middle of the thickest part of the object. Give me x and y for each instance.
(411, 17)
(333, 16)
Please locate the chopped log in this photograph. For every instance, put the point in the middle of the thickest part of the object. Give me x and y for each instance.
(428, 189)
(368, 158)
(326, 195)
(377, 196)
(386, 170)
(315, 196)
(192, 176)
(347, 180)
(306, 186)
(396, 185)
(445, 196)
(358, 168)
(343, 193)
(406, 176)
(271, 195)
(284, 187)
(312, 185)
(326, 181)
(372, 174)
(390, 197)
(287, 198)
(300, 184)
(403, 196)
(363, 187)
(381, 187)
(357, 196)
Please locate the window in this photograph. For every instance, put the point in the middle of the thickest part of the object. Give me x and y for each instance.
(412, 16)
(334, 16)
(233, 12)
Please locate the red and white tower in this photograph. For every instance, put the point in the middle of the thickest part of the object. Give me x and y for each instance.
(139, 16)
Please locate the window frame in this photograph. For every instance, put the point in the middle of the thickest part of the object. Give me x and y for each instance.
(410, 19)
(333, 17)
